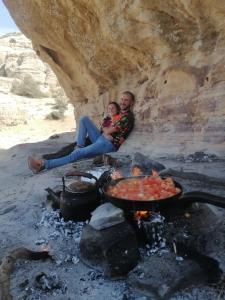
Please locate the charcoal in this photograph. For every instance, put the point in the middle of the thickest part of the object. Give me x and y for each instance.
(198, 157)
(47, 282)
(24, 283)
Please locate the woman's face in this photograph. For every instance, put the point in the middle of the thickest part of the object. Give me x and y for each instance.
(112, 110)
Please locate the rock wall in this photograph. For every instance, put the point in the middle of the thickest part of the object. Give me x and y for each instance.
(169, 53)
(22, 72)
(28, 88)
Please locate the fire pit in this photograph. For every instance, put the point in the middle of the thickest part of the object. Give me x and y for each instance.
(151, 230)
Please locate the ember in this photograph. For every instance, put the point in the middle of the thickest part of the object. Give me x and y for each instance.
(136, 171)
(141, 214)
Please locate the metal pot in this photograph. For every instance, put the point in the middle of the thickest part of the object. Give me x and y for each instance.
(78, 198)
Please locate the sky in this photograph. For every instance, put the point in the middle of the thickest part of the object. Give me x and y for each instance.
(6, 22)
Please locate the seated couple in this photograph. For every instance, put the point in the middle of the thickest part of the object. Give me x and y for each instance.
(114, 130)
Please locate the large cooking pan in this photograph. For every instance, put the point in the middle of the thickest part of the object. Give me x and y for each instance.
(179, 200)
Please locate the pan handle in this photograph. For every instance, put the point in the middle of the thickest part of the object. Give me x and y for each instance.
(203, 197)
(55, 198)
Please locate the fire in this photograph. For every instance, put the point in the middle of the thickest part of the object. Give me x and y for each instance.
(136, 171)
(155, 173)
(141, 214)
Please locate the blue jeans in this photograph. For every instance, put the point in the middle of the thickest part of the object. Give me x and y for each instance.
(87, 128)
(100, 145)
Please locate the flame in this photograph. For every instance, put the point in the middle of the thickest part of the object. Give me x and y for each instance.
(155, 173)
(136, 171)
(141, 214)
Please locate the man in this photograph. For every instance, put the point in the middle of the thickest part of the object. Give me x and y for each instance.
(108, 141)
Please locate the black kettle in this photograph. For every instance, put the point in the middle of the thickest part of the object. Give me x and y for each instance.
(78, 198)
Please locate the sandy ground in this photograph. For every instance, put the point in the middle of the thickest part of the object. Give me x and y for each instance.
(25, 218)
(22, 216)
(35, 130)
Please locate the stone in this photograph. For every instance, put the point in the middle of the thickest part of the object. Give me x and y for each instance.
(105, 216)
(171, 54)
(29, 90)
(145, 163)
(6, 85)
(162, 275)
(114, 250)
(22, 72)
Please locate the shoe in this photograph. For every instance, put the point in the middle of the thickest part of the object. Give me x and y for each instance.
(65, 150)
(35, 165)
(62, 152)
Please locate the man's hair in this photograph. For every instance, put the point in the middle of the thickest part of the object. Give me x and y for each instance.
(130, 94)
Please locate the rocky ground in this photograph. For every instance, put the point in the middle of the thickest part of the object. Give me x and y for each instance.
(23, 121)
(35, 124)
(28, 220)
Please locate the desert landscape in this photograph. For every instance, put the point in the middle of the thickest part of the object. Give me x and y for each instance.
(171, 55)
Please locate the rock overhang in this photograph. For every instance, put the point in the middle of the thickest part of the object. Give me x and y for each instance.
(170, 54)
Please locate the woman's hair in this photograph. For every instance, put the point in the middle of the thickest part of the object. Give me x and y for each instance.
(116, 105)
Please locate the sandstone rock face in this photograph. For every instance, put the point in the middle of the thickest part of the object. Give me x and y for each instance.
(169, 53)
(28, 88)
(21, 70)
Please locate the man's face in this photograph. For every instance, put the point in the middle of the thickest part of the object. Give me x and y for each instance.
(125, 102)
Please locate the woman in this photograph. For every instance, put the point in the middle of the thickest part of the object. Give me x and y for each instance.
(112, 117)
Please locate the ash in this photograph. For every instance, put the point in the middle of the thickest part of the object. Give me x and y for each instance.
(154, 230)
(62, 238)
(53, 221)
(66, 277)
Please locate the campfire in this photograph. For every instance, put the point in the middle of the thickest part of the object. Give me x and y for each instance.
(136, 227)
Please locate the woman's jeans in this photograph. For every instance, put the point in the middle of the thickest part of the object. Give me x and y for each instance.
(100, 145)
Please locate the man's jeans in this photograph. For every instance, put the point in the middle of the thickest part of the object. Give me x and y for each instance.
(87, 128)
(100, 145)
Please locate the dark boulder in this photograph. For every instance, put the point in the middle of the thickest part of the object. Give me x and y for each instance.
(114, 250)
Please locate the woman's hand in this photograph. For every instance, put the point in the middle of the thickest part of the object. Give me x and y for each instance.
(109, 130)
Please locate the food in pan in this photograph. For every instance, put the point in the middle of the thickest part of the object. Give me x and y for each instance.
(144, 188)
